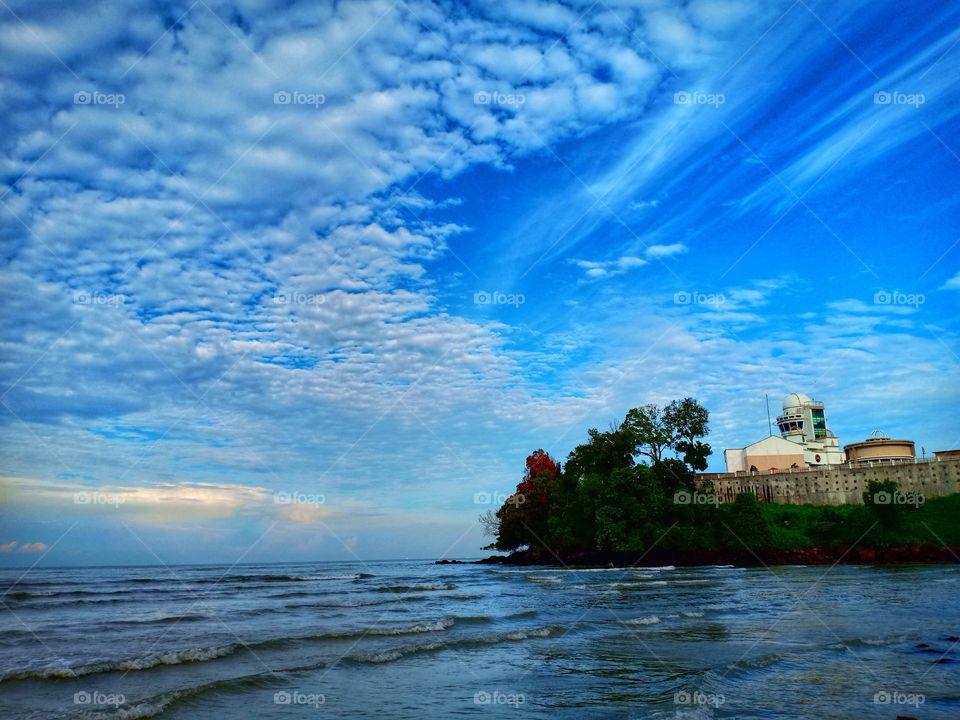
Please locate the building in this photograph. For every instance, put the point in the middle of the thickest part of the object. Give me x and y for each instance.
(880, 449)
(804, 443)
(771, 453)
(804, 464)
(838, 484)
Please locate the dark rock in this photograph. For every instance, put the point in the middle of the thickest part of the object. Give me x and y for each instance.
(741, 558)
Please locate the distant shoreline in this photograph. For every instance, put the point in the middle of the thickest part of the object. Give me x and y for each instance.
(902, 555)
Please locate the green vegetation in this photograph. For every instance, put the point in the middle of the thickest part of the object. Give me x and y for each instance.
(603, 499)
(880, 525)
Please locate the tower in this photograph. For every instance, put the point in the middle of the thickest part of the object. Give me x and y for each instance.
(804, 422)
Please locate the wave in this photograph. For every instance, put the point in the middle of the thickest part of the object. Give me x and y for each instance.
(23, 595)
(293, 594)
(758, 662)
(868, 642)
(151, 707)
(162, 619)
(258, 578)
(385, 656)
(101, 601)
(638, 584)
(353, 576)
(650, 620)
(351, 603)
(522, 614)
(173, 657)
(578, 570)
(436, 626)
(204, 654)
(692, 614)
(54, 599)
(414, 588)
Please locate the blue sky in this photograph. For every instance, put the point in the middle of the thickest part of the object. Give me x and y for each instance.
(365, 257)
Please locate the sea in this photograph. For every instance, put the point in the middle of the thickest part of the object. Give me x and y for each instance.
(412, 639)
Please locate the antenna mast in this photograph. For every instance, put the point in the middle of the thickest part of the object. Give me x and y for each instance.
(769, 424)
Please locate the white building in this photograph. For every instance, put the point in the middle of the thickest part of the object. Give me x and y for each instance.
(804, 442)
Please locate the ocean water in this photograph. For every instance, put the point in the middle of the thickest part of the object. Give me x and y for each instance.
(414, 640)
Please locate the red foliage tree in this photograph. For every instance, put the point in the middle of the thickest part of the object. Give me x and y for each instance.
(542, 467)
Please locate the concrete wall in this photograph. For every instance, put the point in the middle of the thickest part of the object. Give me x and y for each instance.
(838, 484)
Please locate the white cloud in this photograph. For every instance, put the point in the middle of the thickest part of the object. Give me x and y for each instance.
(265, 296)
(661, 251)
(610, 268)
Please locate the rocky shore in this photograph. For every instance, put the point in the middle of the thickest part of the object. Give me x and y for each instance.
(937, 554)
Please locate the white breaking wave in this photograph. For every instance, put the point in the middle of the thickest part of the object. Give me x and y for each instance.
(355, 576)
(640, 584)
(397, 653)
(436, 626)
(651, 620)
(174, 657)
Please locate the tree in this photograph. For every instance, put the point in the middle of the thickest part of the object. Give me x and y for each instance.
(603, 453)
(540, 462)
(490, 523)
(523, 518)
(650, 431)
(747, 524)
(679, 426)
(880, 500)
(602, 499)
(688, 420)
(672, 476)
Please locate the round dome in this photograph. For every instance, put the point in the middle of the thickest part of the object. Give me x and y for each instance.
(795, 400)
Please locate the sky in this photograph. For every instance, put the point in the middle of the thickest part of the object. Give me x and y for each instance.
(293, 281)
